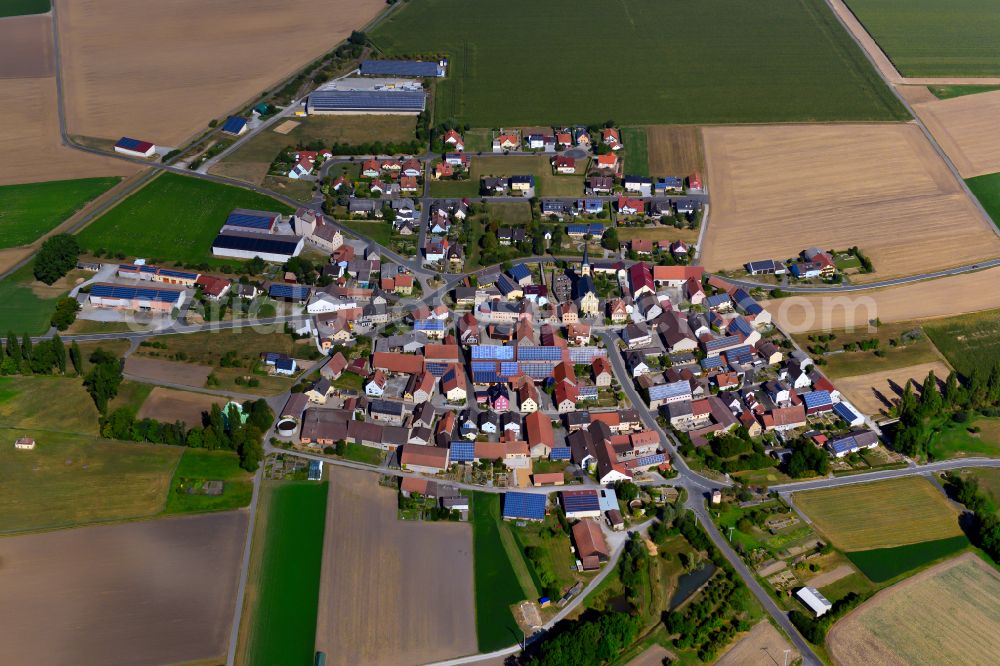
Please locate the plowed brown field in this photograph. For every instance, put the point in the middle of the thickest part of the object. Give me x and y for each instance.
(877, 391)
(968, 129)
(161, 70)
(779, 189)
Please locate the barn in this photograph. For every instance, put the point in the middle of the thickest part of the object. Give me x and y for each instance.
(247, 245)
(140, 299)
(380, 102)
(135, 147)
(234, 126)
(409, 68)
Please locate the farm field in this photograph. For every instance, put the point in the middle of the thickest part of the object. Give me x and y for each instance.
(966, 128)
(949, 92)
(170, 405)
(923, 41)
(381, 572)
(944, 297)
(26, 46)
(876, 392)
(167, 372)
(73, 479)
(150, 51)
(636, 151)
(957, 602)
(172, 218)
(30, 146)
(20, 407)
(26, 305)
(497, 583)
(251, 160)
(763, 646)
(734, 63)
(968, 341)
(674, 150)
(659, 232)
(21, 7)
(900, 344)
(197, 466)
(152, 592)
(856, 517)
(987, 190)
(279, 625)
(883, 564)
(546, 183)
(880, 187)
(29, 211)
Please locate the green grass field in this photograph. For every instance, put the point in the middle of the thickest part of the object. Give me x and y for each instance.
(948, 92)
(200, 465)
(987, 190)
(883, 564)
(376, 230)
(174, 218)
(636, 151)
(70, 480)
(927, 38)
(546, 183)
(497, 586)
(590, 61)
(883, 514)
(363, 454)
(283, 597)
(955, 440)
(22, 308)
(29, 211)
(968, 341)
(20, 408)
(24, 7)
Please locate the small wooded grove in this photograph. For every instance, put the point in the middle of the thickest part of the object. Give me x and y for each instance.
(984, 527)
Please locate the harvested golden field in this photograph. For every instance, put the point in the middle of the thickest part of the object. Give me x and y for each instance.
(882, 514)
(160, 71)
(916, 94)
(142, 594)
(968, 129)
(674, 150)
(169, 405)
(26, 47)
(944, 297)
(958, 606)
(30, 146)
(779, 189)
(380, 573)
(876, 392)
(763, 646)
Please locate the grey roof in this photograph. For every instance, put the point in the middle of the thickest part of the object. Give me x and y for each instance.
(367, 100)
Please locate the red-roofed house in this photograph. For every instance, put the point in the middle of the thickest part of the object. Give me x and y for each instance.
(541, 438)
(609, 162)
(454, 139)
(213, 287)
(611, 137)
(630, 206)
(563, 164)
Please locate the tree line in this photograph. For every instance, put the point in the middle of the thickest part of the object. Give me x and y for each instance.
(984, 527)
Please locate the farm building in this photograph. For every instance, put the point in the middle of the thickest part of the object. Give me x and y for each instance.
(135, 147)
(156, 274)
(247, 245)
(427, 459)
(523, 506)
(812, 598)
(242, 219)
(414, 68)
(24, 443)
(591, 548)
(234, 126)
(139, 299)
(579, 504)
(293, 293)
(380, 102)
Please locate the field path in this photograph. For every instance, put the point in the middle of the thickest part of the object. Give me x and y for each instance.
(884, 64)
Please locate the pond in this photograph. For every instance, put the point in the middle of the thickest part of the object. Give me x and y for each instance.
(689, 583)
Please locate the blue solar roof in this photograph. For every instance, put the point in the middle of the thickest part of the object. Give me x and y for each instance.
(720, 343)
(479, 366)
(654, 459)
(711, 363)
(671, 390)
(527, 506)
(588, 393)
(740, 325)
(508, 368)
(462, 451)
(428, 325)
(519, 272)
(814, 399)
(844, 444)
(292, 291)
(401, 68)
(581, 502)
(538, 370)
(250, 220)
(539, 354)
(234, 125)
(493, 352)
(486, 377)
(261, 243)
(585, 354)
(359, 100)
(132, 144)
(845, 412)
(715, 300)
(436, 369)
(178, 274)
(142, 293)
(560, 453)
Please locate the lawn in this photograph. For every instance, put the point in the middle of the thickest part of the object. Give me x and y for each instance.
(173, 218)
(882, 514)
(510, 212)
(948, 92)
(987, 190)
(210, 347)
(546, 183)
(497, 586)
(198, 466)
(29, 211)
(968, 341)
(380, 232)
(363, 454)
(24, 7)
(636, 152)
(883, 564)
(732, 62)
(927, 38)
(70, 480)
(918, 349)
(989, 482)
(283, 594)
(26, 306)
(956, 441)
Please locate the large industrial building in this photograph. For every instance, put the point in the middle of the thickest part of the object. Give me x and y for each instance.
(249, 244)
(415, 68)
(161, 300)
(368, 96)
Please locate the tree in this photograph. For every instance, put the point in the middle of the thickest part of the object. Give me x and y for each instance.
(65, 313)
(103, 379)
(75, 358)
(57, 257)
(59, 352)
(930, 398)
(26, 349)
(610, 239)
(952, 390)
(13, 348)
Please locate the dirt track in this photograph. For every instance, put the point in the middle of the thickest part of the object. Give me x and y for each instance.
(779, 189)
(135, 594)
(877, 391)
(968, 130)
(161, 70)
(391, 592)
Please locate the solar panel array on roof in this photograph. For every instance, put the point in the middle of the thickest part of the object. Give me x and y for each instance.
(539, 354)
(711, 363)
(845, 412)
(527, 506)
(654, 459)
(364, 100)
(588, 393)
(715, 300)
(493, 352)
(462, 451)
(486, 377)
(251, 220)
(480, 366)
(133, 144)
(260, 243)
(816, 399)
(560, 453)
(401, 68)
(291, 291)
(234, 125)
(140, 293)
(844, 445)
(184, 275)
(585, 501)
(436, 369)
(538, 370)
(509, 368)
(428, 325)
(519, 272)
(741, 325)
(585, 354)
(671, 390)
